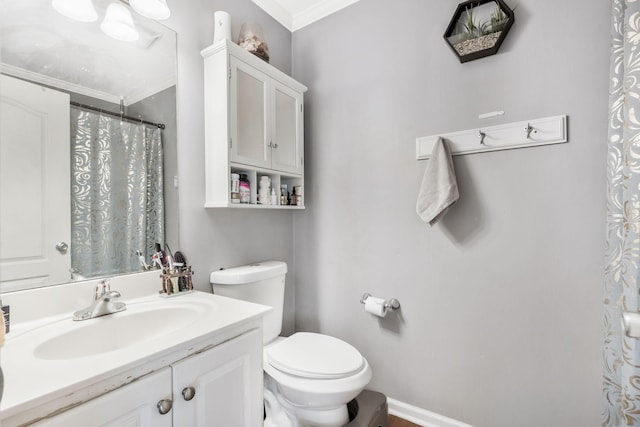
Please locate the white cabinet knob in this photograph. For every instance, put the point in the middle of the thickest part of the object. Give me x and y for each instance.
(164, 406)
(188, 393)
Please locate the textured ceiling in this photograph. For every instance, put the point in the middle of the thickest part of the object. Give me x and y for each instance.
(39, 44)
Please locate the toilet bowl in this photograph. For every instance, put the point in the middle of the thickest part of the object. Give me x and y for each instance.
(308, 378)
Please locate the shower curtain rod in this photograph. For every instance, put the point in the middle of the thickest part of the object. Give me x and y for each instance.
(121, 116)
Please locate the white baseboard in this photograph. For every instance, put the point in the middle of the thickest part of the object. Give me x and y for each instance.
(421, 416)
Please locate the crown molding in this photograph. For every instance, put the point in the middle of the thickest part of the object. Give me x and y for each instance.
(320, 10)
(21, 73)
(277, 12)
(294, 22)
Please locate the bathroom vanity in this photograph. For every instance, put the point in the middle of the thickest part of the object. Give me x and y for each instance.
(181, 361)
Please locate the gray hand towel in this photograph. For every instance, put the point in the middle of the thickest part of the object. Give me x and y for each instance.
(439, 189)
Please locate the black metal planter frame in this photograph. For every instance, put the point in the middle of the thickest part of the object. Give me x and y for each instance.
(463, 9)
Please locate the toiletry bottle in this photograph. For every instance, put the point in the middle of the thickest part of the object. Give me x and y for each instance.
(245, 189)
(274, 196)
(299, 195)
(235, 188)
(2, 340)
(264, 193)
(294, 197)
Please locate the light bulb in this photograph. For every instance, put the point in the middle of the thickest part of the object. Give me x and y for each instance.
(154, 9)
(118, 23)
(79, 10)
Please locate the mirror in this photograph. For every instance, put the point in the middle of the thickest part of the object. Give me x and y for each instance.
(79, 133)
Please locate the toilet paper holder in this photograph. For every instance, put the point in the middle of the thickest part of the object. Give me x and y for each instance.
(392, 303)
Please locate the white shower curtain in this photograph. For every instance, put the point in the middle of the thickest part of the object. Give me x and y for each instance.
(117, 194)
(621, 393)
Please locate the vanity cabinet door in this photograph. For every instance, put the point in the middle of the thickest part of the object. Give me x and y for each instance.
(221, 386)
(286, 129)
(249, 115)
(135, 404)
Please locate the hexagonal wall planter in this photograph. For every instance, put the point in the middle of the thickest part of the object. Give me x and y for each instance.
(478, 28)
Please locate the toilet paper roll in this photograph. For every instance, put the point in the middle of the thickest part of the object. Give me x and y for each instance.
(222, 26)
(375, 306)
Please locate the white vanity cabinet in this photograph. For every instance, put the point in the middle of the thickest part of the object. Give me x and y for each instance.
(219, 386)
(132, 405)
(253, 124)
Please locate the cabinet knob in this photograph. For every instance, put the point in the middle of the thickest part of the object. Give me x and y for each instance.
(275, 145)
(164, 406)
(188, 393)
(62, 247)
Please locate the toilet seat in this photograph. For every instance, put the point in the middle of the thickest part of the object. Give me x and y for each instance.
(315, 356)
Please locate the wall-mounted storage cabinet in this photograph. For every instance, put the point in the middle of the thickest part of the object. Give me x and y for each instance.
(253, 126)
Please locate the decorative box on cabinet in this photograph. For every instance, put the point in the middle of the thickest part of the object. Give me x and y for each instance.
(253, 125)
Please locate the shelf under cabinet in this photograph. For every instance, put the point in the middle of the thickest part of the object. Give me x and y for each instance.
(278, 179)
(253, 206)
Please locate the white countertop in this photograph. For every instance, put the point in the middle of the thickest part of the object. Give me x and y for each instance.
(34, 382)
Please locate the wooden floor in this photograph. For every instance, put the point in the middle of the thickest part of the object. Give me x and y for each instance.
(399, 422)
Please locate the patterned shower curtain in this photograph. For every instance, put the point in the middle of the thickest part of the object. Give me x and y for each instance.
(621, 393)
(117, 194)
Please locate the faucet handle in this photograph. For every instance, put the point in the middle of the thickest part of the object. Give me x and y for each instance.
(109, 295)
(102, 288)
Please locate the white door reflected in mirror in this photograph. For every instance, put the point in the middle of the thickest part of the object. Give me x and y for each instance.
(34, 183)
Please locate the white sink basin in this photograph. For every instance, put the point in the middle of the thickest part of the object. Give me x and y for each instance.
(53, 357)
(116, 331)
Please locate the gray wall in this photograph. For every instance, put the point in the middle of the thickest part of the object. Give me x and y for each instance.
(502, 302)
(215, 238)
(157, 109)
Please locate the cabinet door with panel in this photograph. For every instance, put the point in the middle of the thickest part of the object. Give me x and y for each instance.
(143, 403)
(221, 386)
(248, 102)
(286, 129)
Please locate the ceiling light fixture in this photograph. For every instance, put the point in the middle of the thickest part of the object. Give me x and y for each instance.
(118, 23)
(154, 9)
(79, 10)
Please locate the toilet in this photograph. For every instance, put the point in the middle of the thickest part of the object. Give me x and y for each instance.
(308, 378)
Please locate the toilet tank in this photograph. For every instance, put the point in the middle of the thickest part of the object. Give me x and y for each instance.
(261, 283)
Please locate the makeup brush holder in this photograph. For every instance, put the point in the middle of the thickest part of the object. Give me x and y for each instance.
(176, 282)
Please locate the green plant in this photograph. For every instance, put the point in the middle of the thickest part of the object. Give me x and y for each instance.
(497, 19)
(472, 28)
(469, 25)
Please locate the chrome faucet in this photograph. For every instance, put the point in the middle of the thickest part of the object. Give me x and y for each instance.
(103, 305)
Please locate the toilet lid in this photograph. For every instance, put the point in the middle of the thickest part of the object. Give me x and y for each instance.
(315, 356)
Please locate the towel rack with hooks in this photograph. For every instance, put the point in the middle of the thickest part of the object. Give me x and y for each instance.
(530, 133)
